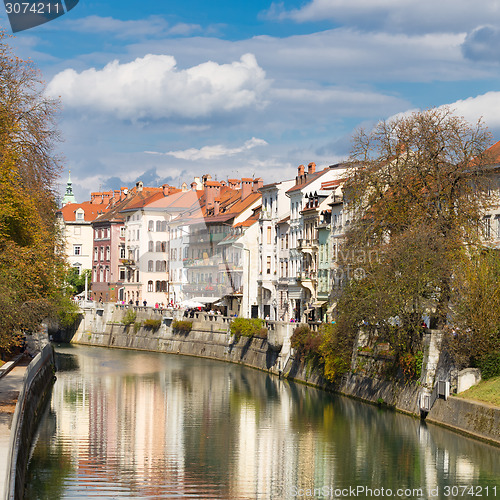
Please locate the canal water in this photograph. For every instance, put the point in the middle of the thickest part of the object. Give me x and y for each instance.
(146, 425)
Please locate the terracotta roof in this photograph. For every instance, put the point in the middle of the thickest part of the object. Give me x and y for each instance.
(91, 211)
(142, 198)
(310, 178)
(286, 219)
(494, 152)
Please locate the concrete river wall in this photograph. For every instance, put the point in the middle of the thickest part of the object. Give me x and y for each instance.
(210, 337)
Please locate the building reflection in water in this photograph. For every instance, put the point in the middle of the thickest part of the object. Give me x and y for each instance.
(156, 426)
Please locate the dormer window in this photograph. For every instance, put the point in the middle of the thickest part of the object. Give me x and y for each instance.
(80, 214)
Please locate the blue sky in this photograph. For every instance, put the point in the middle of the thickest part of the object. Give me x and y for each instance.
(164, 91)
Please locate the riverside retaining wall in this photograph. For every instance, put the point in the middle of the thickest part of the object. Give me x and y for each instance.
(210, 337)
(37, 384)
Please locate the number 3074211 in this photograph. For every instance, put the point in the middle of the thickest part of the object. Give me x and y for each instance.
(43, 8)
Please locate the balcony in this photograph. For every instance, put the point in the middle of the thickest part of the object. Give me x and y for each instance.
(307, 245)
(127, 262)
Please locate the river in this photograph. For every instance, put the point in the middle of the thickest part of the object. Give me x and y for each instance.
(128, 424)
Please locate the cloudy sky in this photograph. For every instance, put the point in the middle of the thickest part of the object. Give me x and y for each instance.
(164, 91)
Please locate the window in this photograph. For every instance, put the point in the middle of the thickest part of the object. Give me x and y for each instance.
(158, 246)
(77, 249)
(269, 235)
(161, 266)
(122, 252)
(150, 265)
(286, 241)
(487, 228)
(164, 226)
(150, 286)
(80, 215)
(108, 253)
(163, 246)
(122, 274)
(122, 232)
(101, 253)
(268, 264)
(158, 225)
(95, 253)
(151, 246)
(151, 226)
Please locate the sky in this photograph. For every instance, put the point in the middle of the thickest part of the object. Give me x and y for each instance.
(165, 91)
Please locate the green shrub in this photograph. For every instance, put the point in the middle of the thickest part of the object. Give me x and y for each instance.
(182, 326)
(129, 317)
(489, 364)
(137, 326)
(152, 324)
(248, 327)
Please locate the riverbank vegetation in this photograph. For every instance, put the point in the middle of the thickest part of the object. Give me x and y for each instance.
(416, 246)
(487, 391)
(32, 271)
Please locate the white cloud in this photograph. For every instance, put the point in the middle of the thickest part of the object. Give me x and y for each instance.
(151, 26)
(152, 87)
(212, 152)
(483, 107)
(396, 15)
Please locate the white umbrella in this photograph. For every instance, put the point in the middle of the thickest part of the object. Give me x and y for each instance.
(191, 303)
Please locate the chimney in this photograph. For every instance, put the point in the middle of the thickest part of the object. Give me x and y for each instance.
(300, 175)
(311, 168)
(194, 185)
(216, 206)
(96, 198)
(166, 189)
(246, 187)
(212, 191)
(223, 183)
(233, 183)
(138, 186)
(123, 193)
(257, 184)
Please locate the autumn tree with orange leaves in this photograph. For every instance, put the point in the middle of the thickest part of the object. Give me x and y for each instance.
(30, 266)
(416, 194)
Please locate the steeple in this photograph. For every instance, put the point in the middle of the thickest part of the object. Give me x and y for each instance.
(69, 197)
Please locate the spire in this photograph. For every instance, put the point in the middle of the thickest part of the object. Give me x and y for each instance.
(69, 197)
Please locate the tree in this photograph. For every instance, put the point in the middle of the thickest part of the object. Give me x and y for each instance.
(31, 267)
(416, 192)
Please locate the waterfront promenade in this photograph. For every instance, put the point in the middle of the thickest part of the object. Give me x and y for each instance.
(11, 383)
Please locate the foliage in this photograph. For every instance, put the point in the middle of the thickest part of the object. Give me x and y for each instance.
(411, 365)
(336, 349)
(248, 327)
(152, 324)
(477, 310)
(76, 282)
(182, 326)
(415, 195)
(137, 326)
(129, 317)
(489, 364)
(31, 264)
(306, 343)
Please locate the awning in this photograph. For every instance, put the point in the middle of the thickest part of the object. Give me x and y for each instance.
(319, 303)
(206, 300)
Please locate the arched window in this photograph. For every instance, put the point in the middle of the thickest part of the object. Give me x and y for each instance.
(151, 226)
(158, 225)
(158, 246)
(164, 226)
(150, 266)
(151, 246)
(150, 286)
(163, 246)
(158, 286)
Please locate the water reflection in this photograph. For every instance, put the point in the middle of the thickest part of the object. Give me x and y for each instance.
(145, 425)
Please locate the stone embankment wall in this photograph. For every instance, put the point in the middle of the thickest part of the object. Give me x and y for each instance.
(37, 384)
(210, 337)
